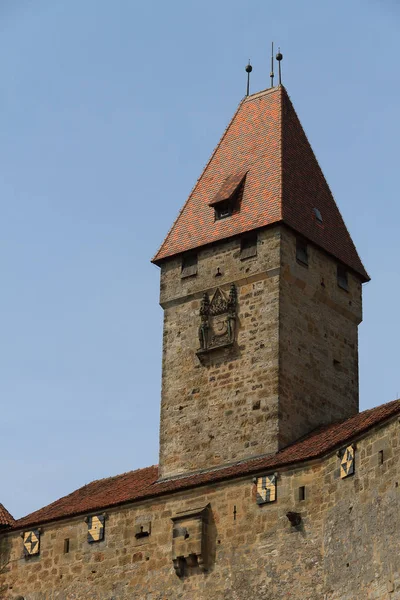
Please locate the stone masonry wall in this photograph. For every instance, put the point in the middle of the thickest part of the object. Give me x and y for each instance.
(318, 342)
(224, 407)
(294, 365)
(346, 547)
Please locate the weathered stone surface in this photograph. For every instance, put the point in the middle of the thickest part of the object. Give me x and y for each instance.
(346, 547)
(294, 364)
(318, 342)
(275, 357)
(222, 407)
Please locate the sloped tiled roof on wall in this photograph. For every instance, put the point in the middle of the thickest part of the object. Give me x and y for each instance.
(6, 519)
(284, 183)
(142, 484)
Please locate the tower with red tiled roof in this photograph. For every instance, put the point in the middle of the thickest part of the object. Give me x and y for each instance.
(261, 291)
(270, 483)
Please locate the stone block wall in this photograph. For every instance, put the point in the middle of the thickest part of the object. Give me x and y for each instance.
(345, 548)
(318, 342)
(293, 367)
(223, 407)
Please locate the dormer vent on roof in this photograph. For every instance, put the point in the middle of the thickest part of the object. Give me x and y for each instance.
(227, 200)
(318, 215)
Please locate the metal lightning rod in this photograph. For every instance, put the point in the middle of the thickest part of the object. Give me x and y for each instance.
(272, 66)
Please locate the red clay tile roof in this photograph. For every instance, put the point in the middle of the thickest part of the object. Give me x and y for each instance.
(284, 183)
(6, 519)
(228, 188)
(142, 484)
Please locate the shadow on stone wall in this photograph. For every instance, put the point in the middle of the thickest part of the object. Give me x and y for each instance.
(212, 540)
(5, 556)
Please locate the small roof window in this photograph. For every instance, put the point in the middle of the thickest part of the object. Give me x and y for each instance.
(227, 200)
(230, 186)
(302, 251)
(223, 210)
(318, 215)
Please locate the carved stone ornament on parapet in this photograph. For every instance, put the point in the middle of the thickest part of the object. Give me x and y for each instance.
(217, 320)
(190, 541)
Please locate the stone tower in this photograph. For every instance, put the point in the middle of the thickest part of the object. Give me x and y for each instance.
(261, 291)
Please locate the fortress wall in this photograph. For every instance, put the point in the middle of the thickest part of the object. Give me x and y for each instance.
(346, 547)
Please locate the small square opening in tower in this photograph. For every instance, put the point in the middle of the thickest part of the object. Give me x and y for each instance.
(189, 264)
(302, 251)
(342, 278)
(248, 246)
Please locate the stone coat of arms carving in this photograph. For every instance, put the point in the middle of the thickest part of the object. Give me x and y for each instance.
(346, 461)
(266, 489)
(95, 528)
(218, 320)
(31, 542)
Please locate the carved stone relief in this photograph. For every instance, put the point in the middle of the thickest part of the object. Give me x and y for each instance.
(266, 488)
(95, 531)
(346, 456)
(31, 540)
(189, 540)
(217, 320)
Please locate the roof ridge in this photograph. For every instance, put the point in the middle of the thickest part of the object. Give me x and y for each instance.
(256, 95)
(281, 156)
(87, 485)
(154, 259)
(119, 475)
(322, 174)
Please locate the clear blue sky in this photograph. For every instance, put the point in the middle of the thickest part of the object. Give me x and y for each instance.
(108, 112)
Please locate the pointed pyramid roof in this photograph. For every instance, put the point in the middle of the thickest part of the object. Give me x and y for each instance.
(283, 183)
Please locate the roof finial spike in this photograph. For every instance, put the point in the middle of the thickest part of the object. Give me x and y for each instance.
(249, 69)
(279, 57)
(272, 66)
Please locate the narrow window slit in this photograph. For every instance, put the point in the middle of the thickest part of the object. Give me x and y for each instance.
(302, 493)
(342, 278)
(302, 252)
